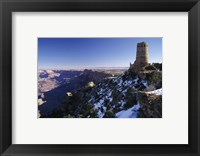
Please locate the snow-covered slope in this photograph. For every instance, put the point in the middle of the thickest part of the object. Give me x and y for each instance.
(156, 92)
(129, 113)
(119, 95)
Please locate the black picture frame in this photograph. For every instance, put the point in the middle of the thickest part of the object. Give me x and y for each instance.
(9, 6)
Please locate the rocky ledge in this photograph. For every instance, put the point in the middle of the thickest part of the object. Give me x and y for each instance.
(150, 104)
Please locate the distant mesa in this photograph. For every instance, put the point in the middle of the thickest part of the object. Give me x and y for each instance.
(141, 58)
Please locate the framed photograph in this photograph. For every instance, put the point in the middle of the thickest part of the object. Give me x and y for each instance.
(99, 77)
(90, 78)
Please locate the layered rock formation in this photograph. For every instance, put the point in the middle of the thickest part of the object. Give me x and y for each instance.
(150, 104)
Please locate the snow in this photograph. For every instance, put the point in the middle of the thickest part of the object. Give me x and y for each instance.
(135, 81)
(121, 102)
(127, 82)
(104, 108)
(109, 92)
(99, 104)
(156, 92)
(118, 80)
(110, 99)
(119, 89)
(129, 113)
(104, 94)
(120, 83)
(112, 77)
(100, 114)
(124, 91)
(144, 82)
(115, 79)
(101, 91)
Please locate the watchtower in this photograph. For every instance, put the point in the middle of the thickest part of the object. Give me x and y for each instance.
(142, 54)
(141, 58)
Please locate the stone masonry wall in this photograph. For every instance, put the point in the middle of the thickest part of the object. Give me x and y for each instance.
(141, 57)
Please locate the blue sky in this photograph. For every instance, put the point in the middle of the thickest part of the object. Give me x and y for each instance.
(59, 53)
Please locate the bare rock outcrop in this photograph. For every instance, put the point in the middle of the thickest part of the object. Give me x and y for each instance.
(150, 104)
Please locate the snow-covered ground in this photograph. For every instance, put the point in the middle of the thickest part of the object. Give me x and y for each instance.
(129, 113)
(104, 94)
(156, 92)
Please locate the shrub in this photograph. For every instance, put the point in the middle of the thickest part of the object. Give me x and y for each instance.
(106, 102)
(158, 66)
(130, 99)
(150, 67)
(86, 110)
(109, 114)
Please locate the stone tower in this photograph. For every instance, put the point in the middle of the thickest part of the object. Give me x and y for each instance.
(141, 57)
(142, 54)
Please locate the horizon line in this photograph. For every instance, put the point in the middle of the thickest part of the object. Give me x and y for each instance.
(87, 67)
(70, 68)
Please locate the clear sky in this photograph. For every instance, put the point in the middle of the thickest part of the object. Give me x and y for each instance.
(62, 53)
